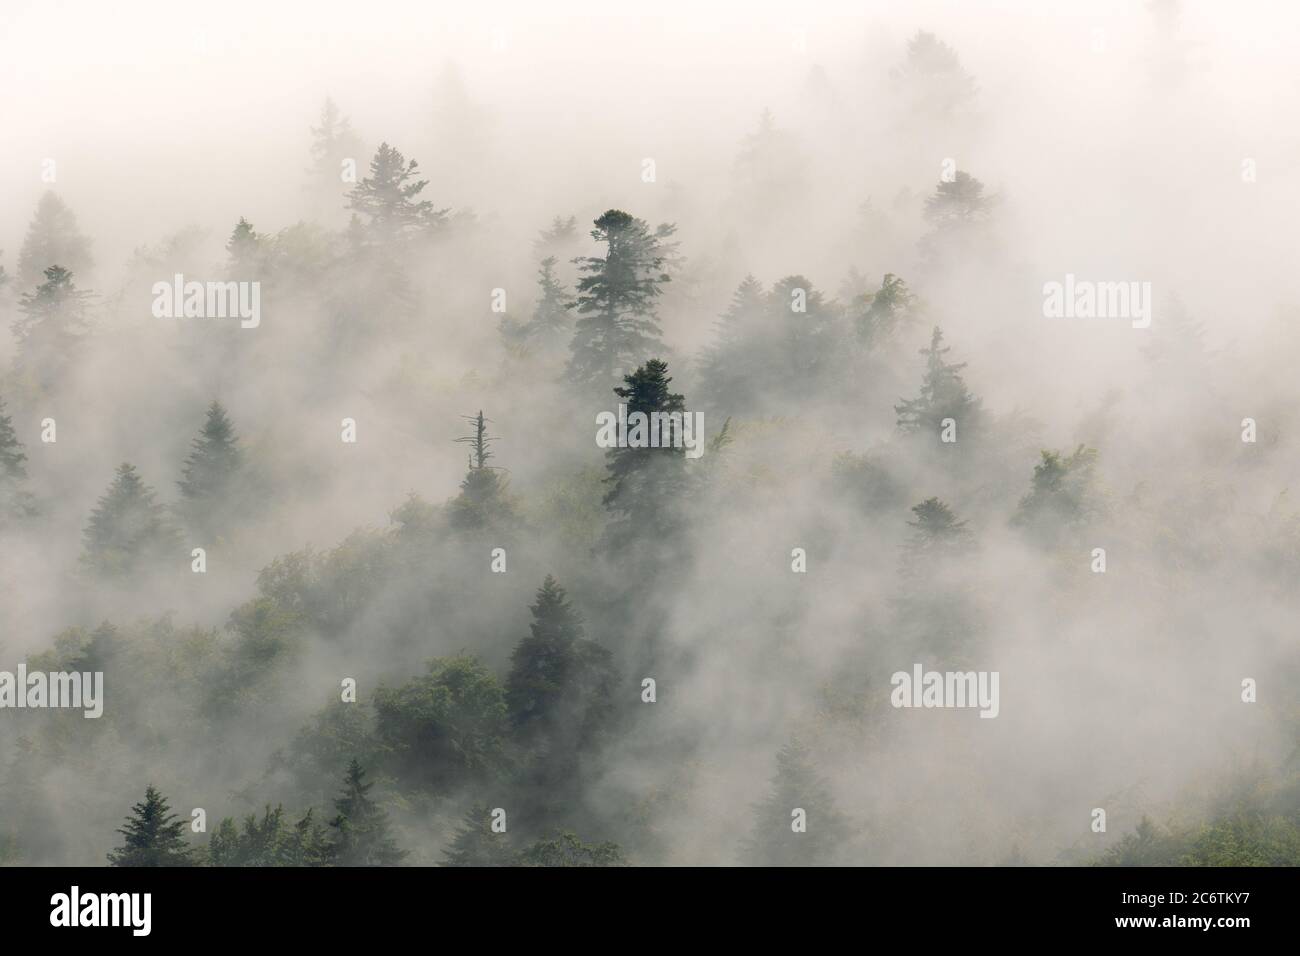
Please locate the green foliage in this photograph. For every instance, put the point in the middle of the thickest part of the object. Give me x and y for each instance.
(796, 785)
(1061, 495)
(445, 729)
(269, 842)
(390, 200)
(475, 844)
(152, 835)
(212, 473)
(361, 829)
(560, 684)
(943, 395)
(15, 500)
(565, 849)
(129, 530)
(617, 327)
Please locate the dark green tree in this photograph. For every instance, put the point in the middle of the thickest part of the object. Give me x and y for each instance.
(646, 484)
(943, 395)
(270, 841)
(617, 327)
(774, 840)
(53, 239)
(212, 471)
(152, 835)
(446, 728)
(390, 200)
(550, 319)
(560, 684)
(475, 844)
(128, 529)
(361, 828)
(565, 849)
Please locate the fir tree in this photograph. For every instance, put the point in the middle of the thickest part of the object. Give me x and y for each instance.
(1060, 495)
(561, 236)
(389, 198)
(796, 786)
(475, 844)
(128, 528)
(550, 318)
(153, 835)
(361, 828)
(15, 501)
(885, 312)
(560, 684)
(646, 484)
(932, 78)
(617, 327)
(730, 368)
(53, 239)
(943, 395)
(52, 324)
(244, 251)
(212, 470)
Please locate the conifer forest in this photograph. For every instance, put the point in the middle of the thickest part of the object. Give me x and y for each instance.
(859, 434)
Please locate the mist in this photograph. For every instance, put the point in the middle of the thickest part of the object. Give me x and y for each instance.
(370, 526)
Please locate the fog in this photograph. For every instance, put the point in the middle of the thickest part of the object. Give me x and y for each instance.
(773, 588)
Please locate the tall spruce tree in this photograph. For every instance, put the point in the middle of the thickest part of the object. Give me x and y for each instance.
(730, 367)
(152, 835)
(390, 200)
(943, 395)
(245, 251)
(15, 500)
(550, 319)
(212, 471)
(617, 327)
(128, 529)
(53, 239)
(775, 841)
(560, 684)
(361, 827)
(51, 326)
(646, 484)
(475, 844)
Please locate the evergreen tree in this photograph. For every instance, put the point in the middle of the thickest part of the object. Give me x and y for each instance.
(475, 844)
(560, 684)
(15, 501)
(730, 366)
(212, 470)
(943, 395)
(936, 526)
(362, 837)
(244, 251)
(483, 503)
(617, 326)
(332, 142)
(959, 215)
(550, 318)
(885, 312)
(389, 198)
(128, 528)
(565, 849)
(153, 835)
(53, 239)
(268, 842)
(1060, 495)
(646, 484)
(932, 79)
(561, 236)
(52, 325)
(796, 786)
